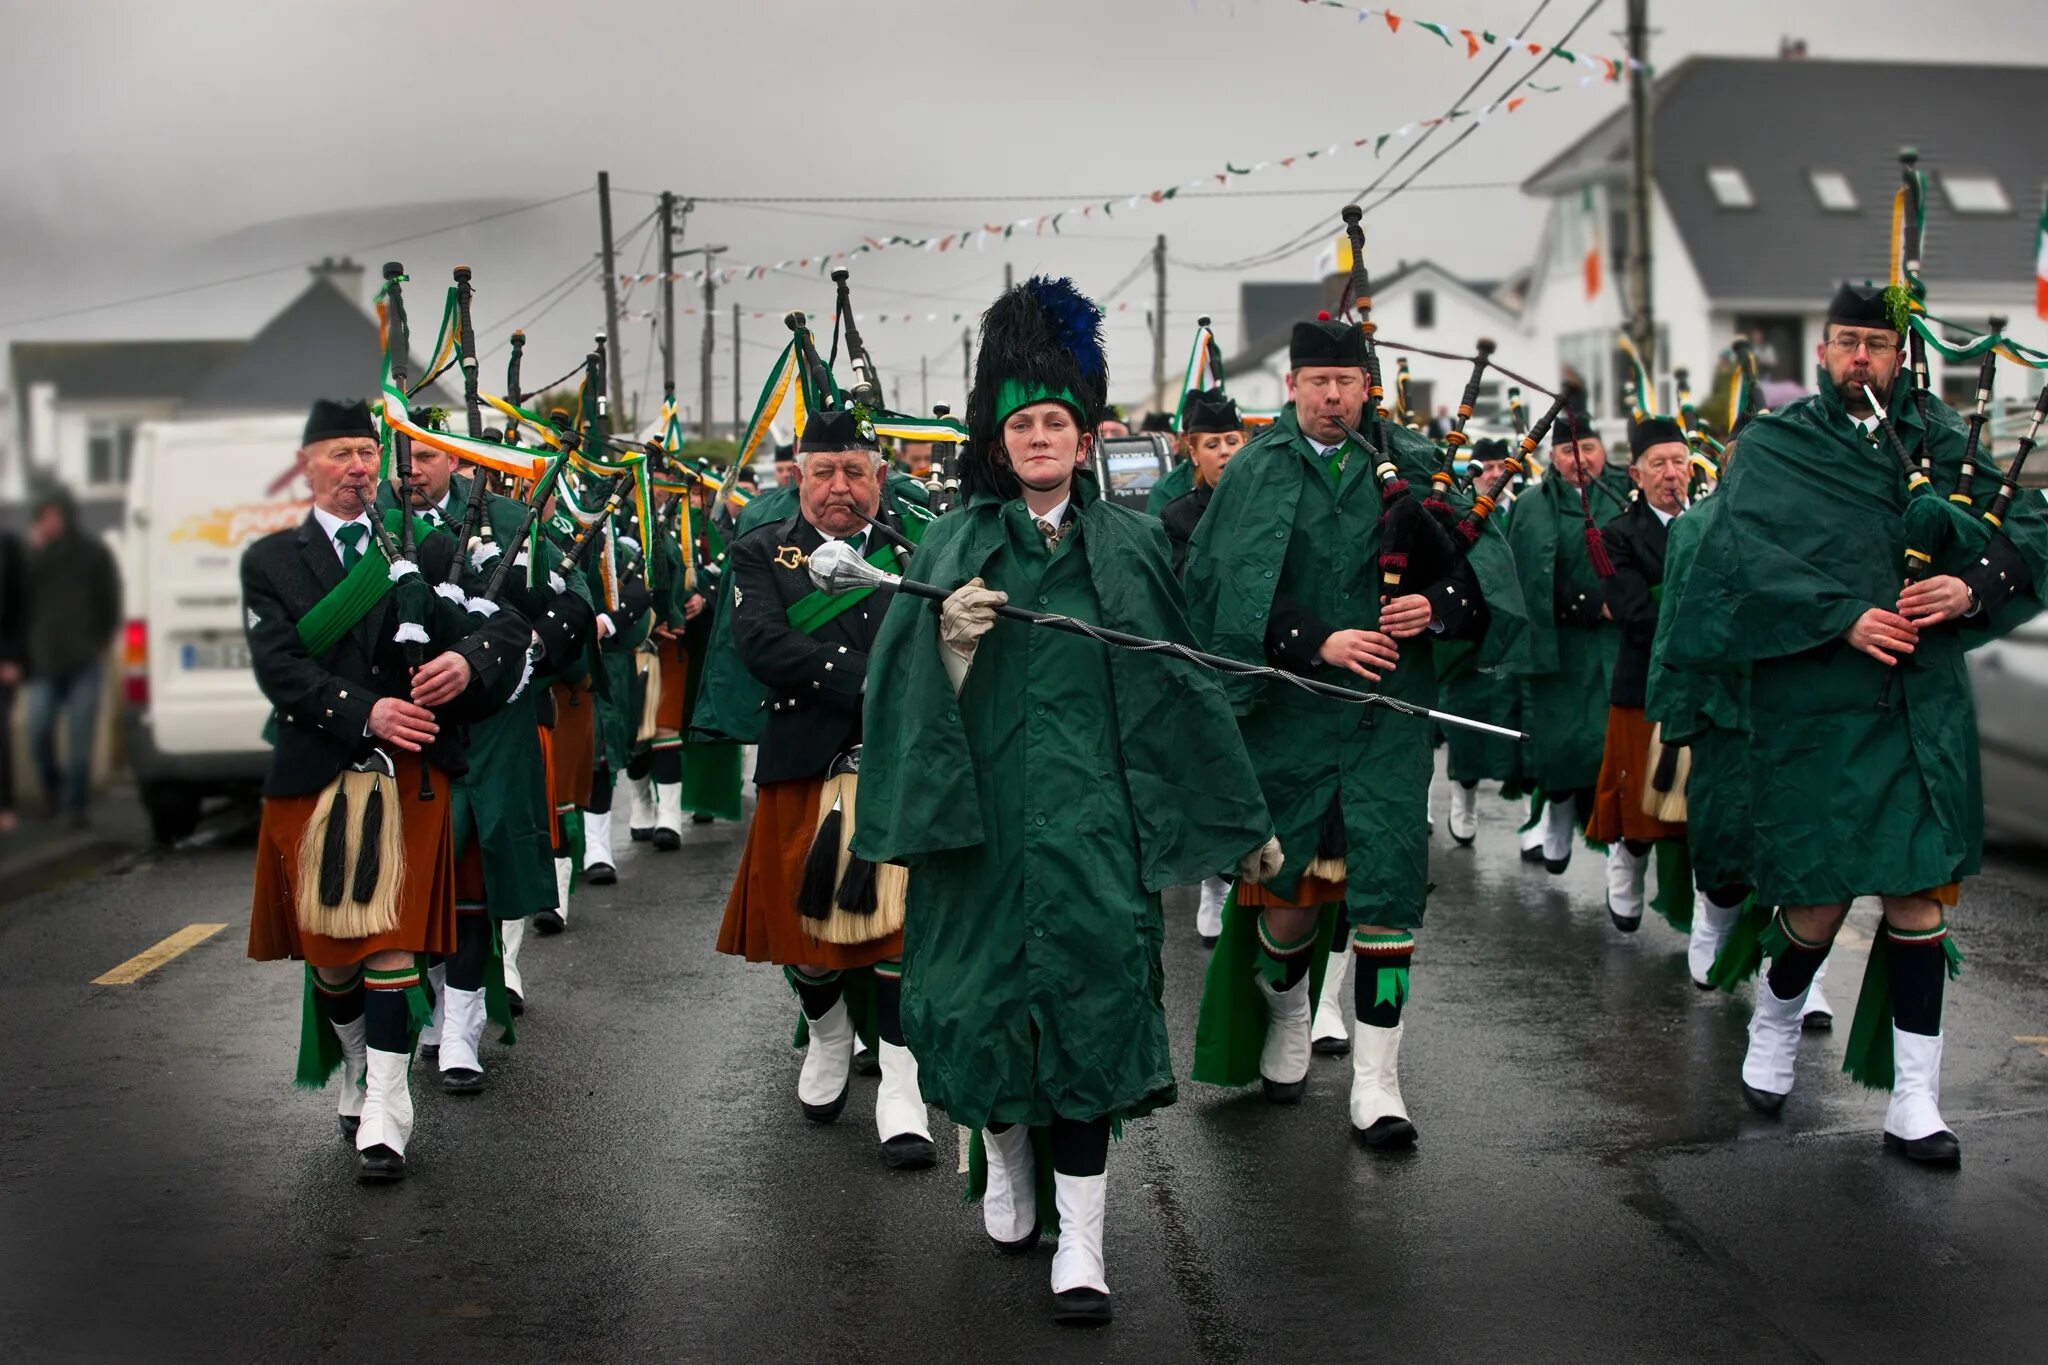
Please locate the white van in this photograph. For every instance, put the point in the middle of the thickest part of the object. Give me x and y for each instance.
(192, 716)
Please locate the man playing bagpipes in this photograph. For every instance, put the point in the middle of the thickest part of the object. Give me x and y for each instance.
(1298, 562)
(617, 581)
(1569, 662)
(1864, 747)
(799, 900)
(503, 864)
(1471, 756)
(371, 674)
(1660, 467)
(1211, 432)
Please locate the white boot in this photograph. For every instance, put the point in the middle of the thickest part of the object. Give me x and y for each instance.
(514, 932)
(1818, 1015)
(1710, 926)
(1557, 834)
(1077, 1259)
(1464, 814)
(462, 1034)
(1328, 1034)
(642, 828)
(1625, 875)
(1912, 1122)
(1283, 1061)
(1009, 1206)
(1773, 1048)
(1377, 1110)
(668, 816)
(387, 1104)
(899, 1112)
(437, 984)
(597, 849)
(822, 1084)
(556, 920)
(349, 1106)
(1532, 842)
(1209, 914)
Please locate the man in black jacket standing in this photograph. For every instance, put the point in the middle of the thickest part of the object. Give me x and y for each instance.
(354, 857)
(74, 606)
(811, 650)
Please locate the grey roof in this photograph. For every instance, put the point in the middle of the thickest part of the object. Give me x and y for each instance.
(1270, 309)
(1776, 120)
(88, 371)
(321, 345)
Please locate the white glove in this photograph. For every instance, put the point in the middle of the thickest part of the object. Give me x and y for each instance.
(967, 615)
(1261, 863)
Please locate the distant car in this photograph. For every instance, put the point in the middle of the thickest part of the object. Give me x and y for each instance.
(2011, 677)
(192, 714)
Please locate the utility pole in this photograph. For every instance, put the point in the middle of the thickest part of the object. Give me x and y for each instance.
(668, 305)
(966, 367)
(924, 384)
(611, 297)
(710, 332)
(737, 416)
(1642, 319)
(1159, 324)
(1009, 277)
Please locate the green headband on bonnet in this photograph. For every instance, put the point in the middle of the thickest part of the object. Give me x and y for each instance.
(1014, 395)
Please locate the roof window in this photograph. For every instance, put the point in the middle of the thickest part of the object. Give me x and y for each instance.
(1730, 187)
(1974, 192)
(1833, 190)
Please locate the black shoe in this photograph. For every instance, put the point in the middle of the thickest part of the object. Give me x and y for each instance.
(1763, 1101)
(700, 818)
(1700, 985)
(865, 1063)
(1209, 940)
(1820, 1021)
(667, 840)
(1284, 1092)
(1023, 1246)
(379, 1165)
(462, 1080)
(549, 922)
(909, 1152)
(1331, 1047)
(1533, 855)
(1080, 1307)
(601, 874)
(430, 1052)
(1556, 867)
(349, 1123)
(825, 1113)
(641, 836)
(1936, 1149)
(1389, 1135)
(1627, 926)
(518, 1002)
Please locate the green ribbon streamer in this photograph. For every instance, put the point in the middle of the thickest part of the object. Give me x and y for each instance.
(815, 610)
(319, 1047)
(350, 600)
(1868, 1058)
(1390, 987)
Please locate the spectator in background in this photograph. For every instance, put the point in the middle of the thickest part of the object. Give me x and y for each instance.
(73, 608)
(785, 466)
(1111, 423)
(13, 653)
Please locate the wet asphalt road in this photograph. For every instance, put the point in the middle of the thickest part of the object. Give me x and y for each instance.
(637, 1183)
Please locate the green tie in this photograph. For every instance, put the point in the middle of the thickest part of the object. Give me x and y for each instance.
(858, 541)
(351, 538)
(1336, 462)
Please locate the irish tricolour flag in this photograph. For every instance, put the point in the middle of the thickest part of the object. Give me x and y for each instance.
(2041, 265)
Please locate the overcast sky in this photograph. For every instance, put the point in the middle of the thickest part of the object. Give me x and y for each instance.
(162, 143)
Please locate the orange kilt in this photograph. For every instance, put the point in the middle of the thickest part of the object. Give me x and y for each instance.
(1309, 893)
(426, 900)
(575, 741)
(1624, 774)
(761, 920)
(675, 676)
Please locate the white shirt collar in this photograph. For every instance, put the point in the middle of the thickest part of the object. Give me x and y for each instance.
(1320, 448)
(1663, 516)
(330, 523)
(1057, 515)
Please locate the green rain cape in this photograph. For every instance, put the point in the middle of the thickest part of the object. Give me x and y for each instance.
(1170, 485)
(1850, 798)
(1042, 812)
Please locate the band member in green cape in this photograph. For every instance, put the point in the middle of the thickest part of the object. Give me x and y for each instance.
(1471, 757)
(1043, 789)
(1864, 737)
(1287, 568)
(618, 588)
(654, 776)
(1569, 662)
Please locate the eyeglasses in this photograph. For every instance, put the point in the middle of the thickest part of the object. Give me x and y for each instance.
(1848, 345)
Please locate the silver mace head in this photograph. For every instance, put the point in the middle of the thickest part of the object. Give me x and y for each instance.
(837, 567)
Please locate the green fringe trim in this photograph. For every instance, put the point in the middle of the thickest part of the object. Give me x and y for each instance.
(1674, 883)
(1230, 1027)
(319, 1048)
(572, 838)
(1391, 987)
(1742, 954)
(1868, 1058)
(497, 995)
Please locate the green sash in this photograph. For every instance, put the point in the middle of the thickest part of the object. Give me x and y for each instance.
(821, 606)
(350, 600)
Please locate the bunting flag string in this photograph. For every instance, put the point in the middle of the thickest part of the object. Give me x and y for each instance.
(1476, 39)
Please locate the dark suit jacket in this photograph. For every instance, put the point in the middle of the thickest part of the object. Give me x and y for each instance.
(323, 704)
(816, 681)
(1635, 542)
(1181, 517)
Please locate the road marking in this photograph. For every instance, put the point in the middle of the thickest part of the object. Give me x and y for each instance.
(149, 959)
(2041, 1043)
(961, 1139)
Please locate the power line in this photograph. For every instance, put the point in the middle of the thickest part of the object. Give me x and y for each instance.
(296, 265)
(1210, 196)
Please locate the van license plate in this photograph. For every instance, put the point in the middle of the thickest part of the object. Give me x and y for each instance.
(216, 654)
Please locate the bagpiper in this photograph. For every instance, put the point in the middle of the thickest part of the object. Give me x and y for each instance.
(1490, 694)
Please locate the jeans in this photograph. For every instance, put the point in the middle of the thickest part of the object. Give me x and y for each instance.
(77, 696)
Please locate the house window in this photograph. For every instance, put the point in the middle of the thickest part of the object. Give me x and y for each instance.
(1730, 187)
(1425, 308)
(109, 454)
(1833, 190)
(1973, 192)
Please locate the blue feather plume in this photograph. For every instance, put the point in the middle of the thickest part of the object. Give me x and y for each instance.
(1076, 321)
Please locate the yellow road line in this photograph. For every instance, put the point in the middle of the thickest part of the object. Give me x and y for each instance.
(149, 959)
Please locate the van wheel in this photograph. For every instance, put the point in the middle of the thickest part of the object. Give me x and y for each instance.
(173, 811)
